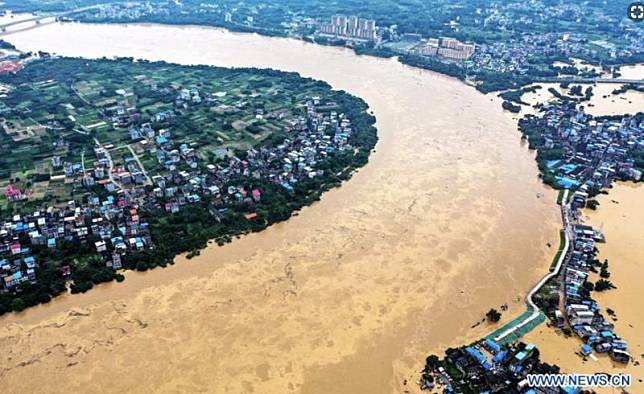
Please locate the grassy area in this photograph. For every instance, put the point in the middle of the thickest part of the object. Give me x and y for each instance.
(562, 241)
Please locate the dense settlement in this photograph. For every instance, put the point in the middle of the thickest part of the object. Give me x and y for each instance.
(103, 161)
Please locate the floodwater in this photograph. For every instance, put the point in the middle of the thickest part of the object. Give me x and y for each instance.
(633, 71)
(602, 103)
(447, 220)
(620, 217)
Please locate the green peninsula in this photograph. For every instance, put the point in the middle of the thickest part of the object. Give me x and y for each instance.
(121, 164)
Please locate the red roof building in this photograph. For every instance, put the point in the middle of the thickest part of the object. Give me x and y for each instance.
(10, 67)
(257, 195)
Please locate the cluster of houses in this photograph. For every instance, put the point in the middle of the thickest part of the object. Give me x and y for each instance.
(186, 96)
(487, 367)
(582, 312)
(112, 226)
(594, 151)
(101, 173)
(516, 56)
(311, 138)
(13, 193)
(10, 61)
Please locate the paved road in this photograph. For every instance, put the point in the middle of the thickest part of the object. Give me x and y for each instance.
(110, 165)
(136, 157)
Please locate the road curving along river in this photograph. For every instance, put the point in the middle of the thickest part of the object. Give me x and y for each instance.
(447, 220)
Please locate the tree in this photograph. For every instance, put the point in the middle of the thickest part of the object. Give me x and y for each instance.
(493, 315)
(81, 287)
(603, 285)
(432, 362)
(508, 106)
(604, 270)
(18, 305)
(576, 90)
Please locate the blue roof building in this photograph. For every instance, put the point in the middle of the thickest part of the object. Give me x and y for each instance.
(586, 349)
(476, 354)
(567, 182)
(30, 262)
(500, 356)
(493, 346)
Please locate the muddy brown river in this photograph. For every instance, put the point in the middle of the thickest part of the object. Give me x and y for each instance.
(447, 220)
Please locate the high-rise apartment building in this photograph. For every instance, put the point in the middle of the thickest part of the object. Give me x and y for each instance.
(350, 27)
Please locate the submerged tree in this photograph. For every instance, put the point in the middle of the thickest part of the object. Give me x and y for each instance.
(493, 315)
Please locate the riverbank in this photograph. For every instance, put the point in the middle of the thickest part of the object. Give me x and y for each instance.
(349, 295)
(484, 80)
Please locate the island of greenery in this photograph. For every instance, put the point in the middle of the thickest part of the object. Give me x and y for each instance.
(123, 164)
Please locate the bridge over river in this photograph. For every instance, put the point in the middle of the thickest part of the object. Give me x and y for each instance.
(36, 19)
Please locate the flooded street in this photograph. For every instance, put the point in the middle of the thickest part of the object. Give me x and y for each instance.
(447, 220)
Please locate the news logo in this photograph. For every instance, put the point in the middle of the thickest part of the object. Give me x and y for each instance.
(635, 11)
(579, 380)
